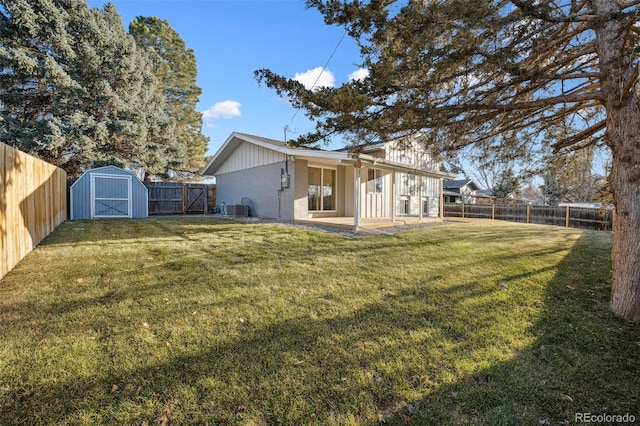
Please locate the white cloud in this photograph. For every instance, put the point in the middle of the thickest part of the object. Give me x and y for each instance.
(318, 76)
(225, 109)
(359, 74)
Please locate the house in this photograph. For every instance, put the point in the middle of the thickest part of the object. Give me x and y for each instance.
(460, 191)
(107, 192)
(484, 196)
(292, 183)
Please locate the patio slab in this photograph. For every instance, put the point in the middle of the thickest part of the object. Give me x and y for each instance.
(370, 223)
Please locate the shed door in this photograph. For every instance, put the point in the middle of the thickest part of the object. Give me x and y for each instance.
(110, 196)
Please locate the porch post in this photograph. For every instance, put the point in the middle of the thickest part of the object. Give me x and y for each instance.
(393, 197)
(441, 207)
(356, 193)
(420, 183)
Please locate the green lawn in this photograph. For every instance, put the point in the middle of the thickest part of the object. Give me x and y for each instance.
(202, 321)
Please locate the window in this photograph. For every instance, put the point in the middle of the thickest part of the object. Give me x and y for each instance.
(425, 206)
(405, 205)
(315, 182)
(374, 181)
(321, 192)
(328, 189)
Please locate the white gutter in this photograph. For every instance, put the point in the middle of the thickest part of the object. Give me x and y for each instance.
(381, 163)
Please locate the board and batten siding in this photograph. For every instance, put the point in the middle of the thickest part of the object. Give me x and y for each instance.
(413, 154)
(248, 156)
(33, 202)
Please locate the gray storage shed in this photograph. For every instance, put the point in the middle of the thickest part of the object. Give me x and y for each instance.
(108, 192)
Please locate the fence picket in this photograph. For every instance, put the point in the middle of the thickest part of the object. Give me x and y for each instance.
(33, 202)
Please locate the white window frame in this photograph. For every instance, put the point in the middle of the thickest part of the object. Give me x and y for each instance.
(94, 176)
(322, 169)
(377, 181)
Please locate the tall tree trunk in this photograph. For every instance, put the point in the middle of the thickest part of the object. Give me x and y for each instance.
(621, 101)
(625, 181)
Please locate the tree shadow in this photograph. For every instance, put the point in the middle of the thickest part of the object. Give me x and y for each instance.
(582, 359)
(424, 354)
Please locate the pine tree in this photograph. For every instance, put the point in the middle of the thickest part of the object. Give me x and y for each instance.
(174, 65)
(77, 92)
(507, 185)
(476, 72)
(37, 91)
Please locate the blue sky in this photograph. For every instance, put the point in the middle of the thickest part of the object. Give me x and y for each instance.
(232, 39)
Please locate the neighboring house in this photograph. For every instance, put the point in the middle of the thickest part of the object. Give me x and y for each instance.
(484, 196)
(292, 183)
(462, 191)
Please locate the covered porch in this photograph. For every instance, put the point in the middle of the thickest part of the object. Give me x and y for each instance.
(366, 192)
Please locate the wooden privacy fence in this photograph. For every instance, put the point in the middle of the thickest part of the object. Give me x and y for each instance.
(33, 201)
(573, 217)
(180, 198)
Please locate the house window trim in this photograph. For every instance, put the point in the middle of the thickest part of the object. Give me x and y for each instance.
(377, 179)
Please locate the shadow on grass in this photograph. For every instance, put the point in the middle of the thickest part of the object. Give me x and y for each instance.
(582, 360)
(422, 355)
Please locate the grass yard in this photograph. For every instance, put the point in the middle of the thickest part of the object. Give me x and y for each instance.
(202, 321)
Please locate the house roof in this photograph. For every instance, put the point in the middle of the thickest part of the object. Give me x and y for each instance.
(460, 183)
(485, 192)
(236, 139)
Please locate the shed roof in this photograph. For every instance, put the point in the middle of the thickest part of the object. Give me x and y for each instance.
(107, 169)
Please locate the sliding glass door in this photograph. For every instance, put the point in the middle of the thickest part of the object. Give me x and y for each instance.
(321, 189)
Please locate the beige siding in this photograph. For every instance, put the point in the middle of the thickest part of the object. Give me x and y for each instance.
(248, 156)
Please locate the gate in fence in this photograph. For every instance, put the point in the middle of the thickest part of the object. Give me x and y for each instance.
(180, 198)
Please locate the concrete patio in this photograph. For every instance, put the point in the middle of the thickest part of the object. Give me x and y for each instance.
(370, 223)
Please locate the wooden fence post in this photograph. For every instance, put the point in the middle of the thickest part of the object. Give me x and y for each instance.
(613, 219)
(566, 217)
(528, 213)
(463, 209)
(206, 200)
(493, 212)
(184, 198)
